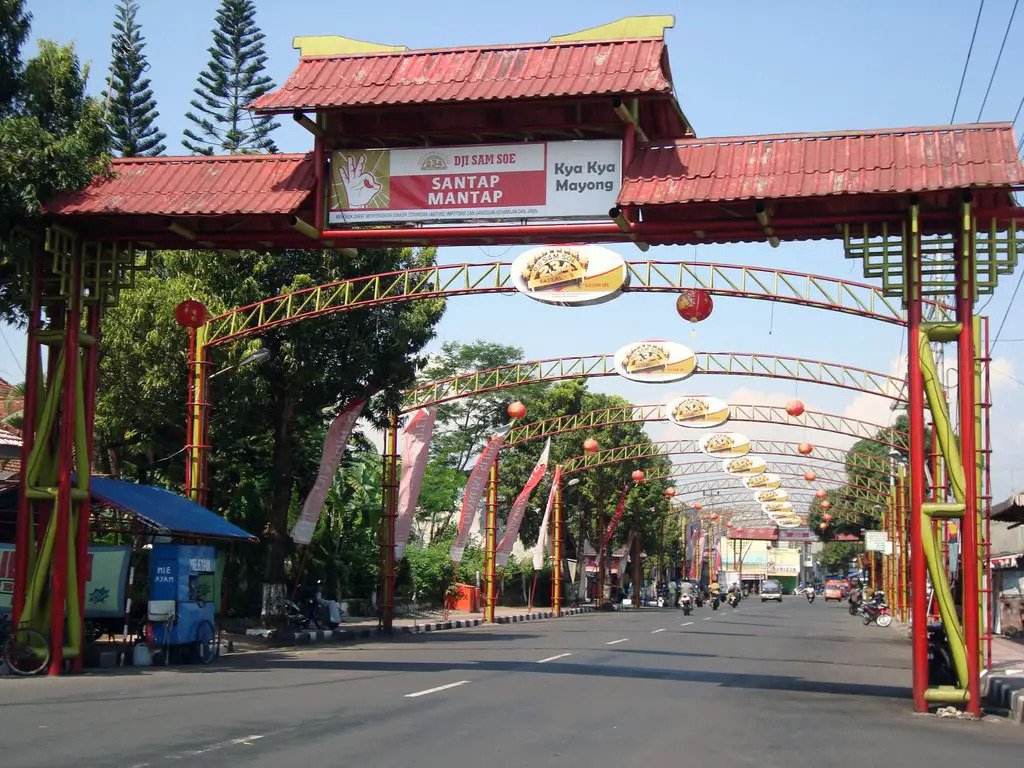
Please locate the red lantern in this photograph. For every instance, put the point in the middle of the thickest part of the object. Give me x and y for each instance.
(516, 409)
(590, 445)
(823, 526)
(694, 304)
(794, 407)
(670, 492)
(638, 476)
(728, 525)
(698, 506)
(191, 314)
(714, 516)
(826, 504)
(827, 517)
(809, 476)
(820, 493)
(805, 449)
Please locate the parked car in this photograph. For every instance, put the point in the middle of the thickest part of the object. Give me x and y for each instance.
(771, 590)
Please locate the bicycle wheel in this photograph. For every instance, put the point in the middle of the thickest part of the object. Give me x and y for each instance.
(27, 652)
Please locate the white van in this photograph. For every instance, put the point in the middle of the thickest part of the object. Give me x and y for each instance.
(771, 590)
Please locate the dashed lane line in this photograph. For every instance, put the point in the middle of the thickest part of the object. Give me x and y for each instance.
(616, 642)
(708, 618)
(435, 690)
(686, 624)
(656, 631)
(552, 658)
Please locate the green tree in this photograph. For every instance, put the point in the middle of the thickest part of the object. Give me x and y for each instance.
(835, 556)
(233, 78)
(52, 138)
(15, 24)
(131, 109)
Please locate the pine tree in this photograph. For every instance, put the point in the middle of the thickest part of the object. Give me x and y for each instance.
(233, 77)
(131, 110)
(14, 28)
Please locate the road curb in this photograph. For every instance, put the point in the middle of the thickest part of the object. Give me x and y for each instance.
(1007, 693)
(314, 636)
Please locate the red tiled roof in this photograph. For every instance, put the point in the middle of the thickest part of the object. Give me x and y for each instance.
(811, 165)
(232, 184)
(529, 71)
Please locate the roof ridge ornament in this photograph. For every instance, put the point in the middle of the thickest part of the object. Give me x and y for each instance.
(622, 29)
(336, 45)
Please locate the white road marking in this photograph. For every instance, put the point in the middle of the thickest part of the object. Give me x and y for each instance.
(435, 690)
(656, 631)
(686, 624)
(708, 618)
(736, 611)
(552, 658)
(616, 642)
(1012, 672)
(247, 740)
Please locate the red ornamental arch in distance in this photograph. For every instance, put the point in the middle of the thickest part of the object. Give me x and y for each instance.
(445, 281)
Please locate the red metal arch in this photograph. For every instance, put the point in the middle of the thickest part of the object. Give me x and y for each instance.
(817, 421)
(723, 363)
(699, 486)
(444, 281)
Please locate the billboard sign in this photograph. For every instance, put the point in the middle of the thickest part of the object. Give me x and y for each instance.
(724, 444)
(744, 466)
(687, 411)
(106, 575)
(482, 182)
(655, 361)
(874, 541)
(567, 275)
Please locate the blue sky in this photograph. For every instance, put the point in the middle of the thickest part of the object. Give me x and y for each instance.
(739, 68)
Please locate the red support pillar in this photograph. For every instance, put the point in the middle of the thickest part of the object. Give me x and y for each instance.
(66, 466)
(967, 408)
(33, 372)
(915, 389)
(387, 538)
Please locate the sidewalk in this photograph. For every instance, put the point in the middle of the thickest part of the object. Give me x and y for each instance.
(353, 630)
(1004, 686)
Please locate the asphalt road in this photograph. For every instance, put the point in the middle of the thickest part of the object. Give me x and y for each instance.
(767, 685)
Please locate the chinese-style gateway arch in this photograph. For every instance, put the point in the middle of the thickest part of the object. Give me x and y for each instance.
(896, 197)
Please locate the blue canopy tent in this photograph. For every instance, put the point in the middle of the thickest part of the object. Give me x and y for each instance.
(166, 512)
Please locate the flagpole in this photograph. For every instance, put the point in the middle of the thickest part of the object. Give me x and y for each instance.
(556, 548)
(491, 540)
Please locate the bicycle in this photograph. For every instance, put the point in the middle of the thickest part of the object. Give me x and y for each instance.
(26, 651)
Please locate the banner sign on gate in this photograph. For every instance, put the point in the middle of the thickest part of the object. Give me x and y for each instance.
(482, 182)
(542, 535)
(475, 490)
(515, 514)
(414, 443)
(874, 541)
(334, 446)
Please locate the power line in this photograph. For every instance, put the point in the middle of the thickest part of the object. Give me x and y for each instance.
(1006, 34)
(963, 75)
(1007, 313)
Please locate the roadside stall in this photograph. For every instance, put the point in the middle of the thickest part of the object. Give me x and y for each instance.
(1007, 566)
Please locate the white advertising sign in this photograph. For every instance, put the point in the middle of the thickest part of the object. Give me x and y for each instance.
(690, 411)
(567, 275)
(481, 182)
(874, 541)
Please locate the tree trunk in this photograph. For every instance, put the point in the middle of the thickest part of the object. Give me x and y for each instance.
(282, 468)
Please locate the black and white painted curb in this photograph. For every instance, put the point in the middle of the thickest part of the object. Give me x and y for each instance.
(1007, 693)
(340, 635)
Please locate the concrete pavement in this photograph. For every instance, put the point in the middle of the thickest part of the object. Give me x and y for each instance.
(772, 685)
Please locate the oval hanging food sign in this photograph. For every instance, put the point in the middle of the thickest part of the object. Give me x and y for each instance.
(744, 466)
(777, 507)
(788, 523)
(772, 494)
(724, 444)
(570, 274)
(689, 411)
(655, 362)
(764, 481)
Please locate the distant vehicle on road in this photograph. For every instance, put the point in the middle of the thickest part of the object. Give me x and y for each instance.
(771, 590)
(834, 590)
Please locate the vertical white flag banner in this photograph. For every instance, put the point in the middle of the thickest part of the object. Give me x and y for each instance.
(542, 535)
(334, 446)
(475, 490)
(415, 442)
(515, 515)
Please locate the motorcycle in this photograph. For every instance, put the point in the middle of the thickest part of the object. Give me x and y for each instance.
(854, 606)
(320, 612)
(876, 610)
(714, 602)
(810, 595)
(294, 616)
(732, 599)
(686, 603)
(940, 660)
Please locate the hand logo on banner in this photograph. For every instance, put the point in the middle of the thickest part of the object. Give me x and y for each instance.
(361, 186)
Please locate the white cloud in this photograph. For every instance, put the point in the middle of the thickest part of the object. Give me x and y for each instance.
(870, 408)
(1003, 376)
